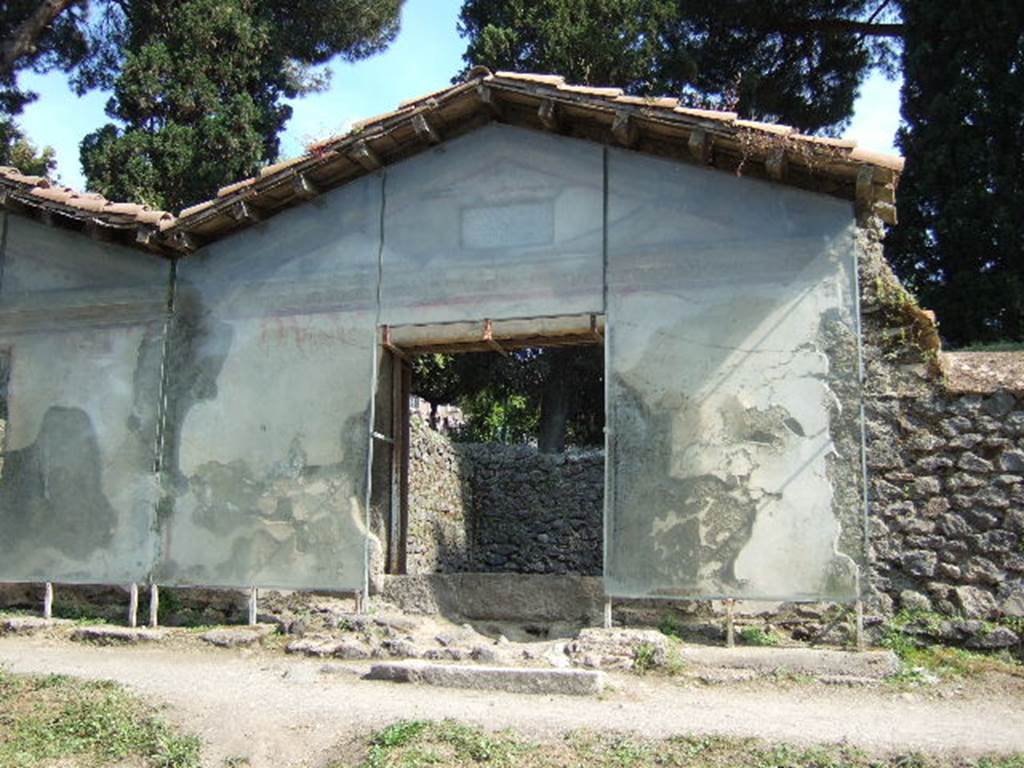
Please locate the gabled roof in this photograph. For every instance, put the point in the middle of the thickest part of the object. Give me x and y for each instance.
(657, 126)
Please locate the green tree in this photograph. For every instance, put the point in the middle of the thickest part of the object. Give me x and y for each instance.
(16, 150)
(795, 61)
(552, 396)
(199, 87)
(36, 36)
(960, 241)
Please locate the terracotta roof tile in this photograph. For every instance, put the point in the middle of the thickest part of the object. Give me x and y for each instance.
(192, 210)
(591, 90)
(756, 125)
(707, 114)
(845, 157)
(36, 191)
(660, 102)
(862, 155)
(270, 170)
(826, 141)
(227, 190)
(555, 80)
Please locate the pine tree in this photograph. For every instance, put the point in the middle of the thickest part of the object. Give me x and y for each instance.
(960, 241)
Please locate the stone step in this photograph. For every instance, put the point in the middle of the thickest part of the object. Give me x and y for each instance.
(814, 662)
(564, 682)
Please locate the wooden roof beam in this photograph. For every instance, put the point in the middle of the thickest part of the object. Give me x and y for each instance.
(303, 188)
(183, 241)
(361, 153)
(700, 145)
(490, 101)
(624, 128)
(425, 130)
(776, 164)
(548, 115)
(242, 211)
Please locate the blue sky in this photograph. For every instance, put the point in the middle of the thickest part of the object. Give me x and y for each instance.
(424, 57)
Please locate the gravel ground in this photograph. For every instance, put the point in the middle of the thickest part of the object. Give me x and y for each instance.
(286, 711)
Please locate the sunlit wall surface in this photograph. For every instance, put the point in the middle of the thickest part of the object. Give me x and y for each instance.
(228, 444)
(733, 400)
(500, 223)
(81, 331)
(271, 372)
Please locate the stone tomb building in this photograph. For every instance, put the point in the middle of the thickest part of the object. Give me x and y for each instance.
(219, 398)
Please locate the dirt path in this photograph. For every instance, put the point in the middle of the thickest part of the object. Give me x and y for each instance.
(284, 711)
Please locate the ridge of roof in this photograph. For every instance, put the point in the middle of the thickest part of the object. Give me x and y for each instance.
(657, 125)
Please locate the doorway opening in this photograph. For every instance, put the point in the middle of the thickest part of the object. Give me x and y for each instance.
(496, 447)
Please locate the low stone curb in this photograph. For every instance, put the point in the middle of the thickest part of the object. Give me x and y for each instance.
(564, 682)
(815, 662)
(110, 635)
(29, 625)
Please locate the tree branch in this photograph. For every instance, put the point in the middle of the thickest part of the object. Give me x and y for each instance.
(23, 41)
(863, 28)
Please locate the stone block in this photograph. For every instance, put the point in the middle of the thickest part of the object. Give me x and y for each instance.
(1011, 598)
(919, 562)
(999, 404)
(549, 682)
(1012, 461)
(616, 648)
(975, 603)
(970, 462)
(235, 637)
(914, 601)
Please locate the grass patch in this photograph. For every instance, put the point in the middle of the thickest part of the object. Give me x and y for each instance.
(51, 719)
(414, 744)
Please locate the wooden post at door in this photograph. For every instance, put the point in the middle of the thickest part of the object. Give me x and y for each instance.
(401, 385)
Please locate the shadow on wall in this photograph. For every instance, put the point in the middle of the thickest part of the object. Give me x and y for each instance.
(52, 497)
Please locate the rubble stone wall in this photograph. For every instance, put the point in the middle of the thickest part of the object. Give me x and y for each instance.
(496, 508)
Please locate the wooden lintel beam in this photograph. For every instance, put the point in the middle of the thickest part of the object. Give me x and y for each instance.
(595, 331)
(390, 346)
(243, 211)
(425, 130)
(624, 128)
(489, 99)
(303, 187)
(547, 112)
(365, 156)
(488, 339)
(776, 164)
(699, 145)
